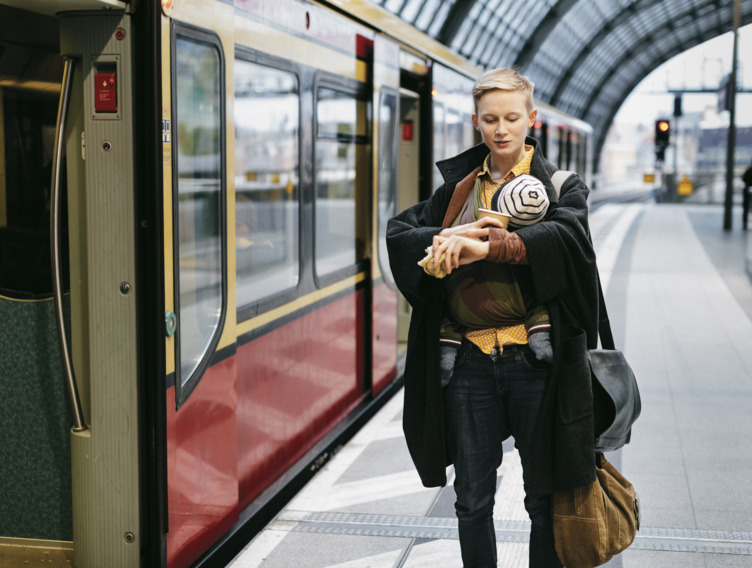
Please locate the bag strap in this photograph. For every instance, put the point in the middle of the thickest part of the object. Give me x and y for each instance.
(558, 179)
(604, 325)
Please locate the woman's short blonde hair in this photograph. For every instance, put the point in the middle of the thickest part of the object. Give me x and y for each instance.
(503, 79)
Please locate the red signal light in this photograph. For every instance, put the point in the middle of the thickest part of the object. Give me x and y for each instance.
(662, 133)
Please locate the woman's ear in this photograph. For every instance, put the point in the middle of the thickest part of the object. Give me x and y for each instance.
(532, 117)
(475, 121)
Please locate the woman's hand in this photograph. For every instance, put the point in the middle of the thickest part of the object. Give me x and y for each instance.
(475, 230)
(458, 250)
(458, 245)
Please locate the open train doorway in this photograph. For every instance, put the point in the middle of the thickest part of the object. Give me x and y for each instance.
(409, 176)
(35, 472)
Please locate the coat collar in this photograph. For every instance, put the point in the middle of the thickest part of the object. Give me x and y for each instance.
(455, 169)
(460, 172)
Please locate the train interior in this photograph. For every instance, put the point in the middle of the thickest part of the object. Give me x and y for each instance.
(36, 466)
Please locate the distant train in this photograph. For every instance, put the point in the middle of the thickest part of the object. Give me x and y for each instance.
(219, 175)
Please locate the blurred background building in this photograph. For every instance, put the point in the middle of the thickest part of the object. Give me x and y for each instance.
(699, 136)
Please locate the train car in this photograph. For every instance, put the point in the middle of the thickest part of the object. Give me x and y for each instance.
(196, 307)
(565, 141)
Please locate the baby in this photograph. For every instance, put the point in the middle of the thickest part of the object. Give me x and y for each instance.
(483, 295)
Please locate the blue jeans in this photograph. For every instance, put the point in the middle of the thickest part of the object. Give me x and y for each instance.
(489, 398)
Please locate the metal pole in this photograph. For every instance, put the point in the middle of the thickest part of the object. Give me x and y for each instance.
(676, 156)
(79, 424)
(731, 144)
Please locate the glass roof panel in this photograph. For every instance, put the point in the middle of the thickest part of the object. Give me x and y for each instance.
(463, 37)
(439, 18)
(410, 10)
(427, 13)
(607, 10)
(517, 13)
(392, 5)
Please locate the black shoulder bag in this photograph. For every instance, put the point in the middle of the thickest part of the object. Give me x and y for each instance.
(616, 398)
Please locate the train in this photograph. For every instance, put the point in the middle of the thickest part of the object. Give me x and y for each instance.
(196, 306)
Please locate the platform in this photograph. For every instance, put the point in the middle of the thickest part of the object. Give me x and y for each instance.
(680, 304)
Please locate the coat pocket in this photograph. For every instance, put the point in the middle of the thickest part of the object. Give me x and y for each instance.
(575, 389)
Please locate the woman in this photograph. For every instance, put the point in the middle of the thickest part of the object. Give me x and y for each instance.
(499, 387)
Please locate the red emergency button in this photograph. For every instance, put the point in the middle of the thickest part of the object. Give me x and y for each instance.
(407, 130)
(105, 92)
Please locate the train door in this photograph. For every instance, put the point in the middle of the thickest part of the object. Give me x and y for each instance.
(552, 143)
(409, 176)
(386, 157)
(540, 133)
(201, 396)
(416, 152)
(561, 135)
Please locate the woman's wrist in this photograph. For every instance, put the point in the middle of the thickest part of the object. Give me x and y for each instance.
(506, 247)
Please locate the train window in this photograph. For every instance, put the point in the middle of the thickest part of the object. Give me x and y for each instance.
(199, 204)
(387, 175)
(541, 133)
(267, 125)
(471, 136)
(562, 153)
(455, 133)
(583, 154)
(552, 144)
(341, 179)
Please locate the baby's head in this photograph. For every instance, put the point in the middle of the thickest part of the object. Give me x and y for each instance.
(523, 198)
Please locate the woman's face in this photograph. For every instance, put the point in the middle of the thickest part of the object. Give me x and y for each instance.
(503, 120)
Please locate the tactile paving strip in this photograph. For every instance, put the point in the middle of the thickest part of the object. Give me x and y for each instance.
(648, 538)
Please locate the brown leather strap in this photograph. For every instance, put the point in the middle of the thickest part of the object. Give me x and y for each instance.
(461, 192)
(504, 246)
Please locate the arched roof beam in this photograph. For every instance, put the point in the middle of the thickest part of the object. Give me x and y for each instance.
(600, 135)
(662, 58)
(655, 62)
(454, 19)
(536, 39)
(629, 53)
(586, 50)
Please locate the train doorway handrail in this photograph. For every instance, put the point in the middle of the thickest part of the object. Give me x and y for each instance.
(79, 424)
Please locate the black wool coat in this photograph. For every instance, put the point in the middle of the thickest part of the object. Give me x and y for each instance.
(563, 276)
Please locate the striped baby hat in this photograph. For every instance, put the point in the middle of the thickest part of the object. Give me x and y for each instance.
(523, 198)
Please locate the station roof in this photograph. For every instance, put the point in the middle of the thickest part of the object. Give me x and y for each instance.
(585, 57)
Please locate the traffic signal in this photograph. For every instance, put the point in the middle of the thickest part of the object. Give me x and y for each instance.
(662, 133)
(660, 154)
